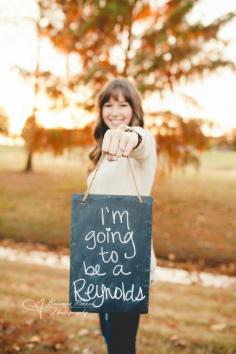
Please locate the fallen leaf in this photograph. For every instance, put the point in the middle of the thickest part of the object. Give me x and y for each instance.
(83, 332)
(96, 332)
(218, 327)
(34, 339)
(16, 347)
(171, 256)
(178, 341)
(58, 346)
(87, 351)
(29, 345)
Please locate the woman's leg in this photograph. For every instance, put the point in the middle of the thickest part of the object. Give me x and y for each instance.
(119, 331)
(104, 325)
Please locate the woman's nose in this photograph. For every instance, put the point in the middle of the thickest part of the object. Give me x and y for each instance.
(114, 111)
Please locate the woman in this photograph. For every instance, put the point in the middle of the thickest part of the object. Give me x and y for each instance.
(119, 133)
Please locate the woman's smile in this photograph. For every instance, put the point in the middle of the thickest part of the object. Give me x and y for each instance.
(116, 122)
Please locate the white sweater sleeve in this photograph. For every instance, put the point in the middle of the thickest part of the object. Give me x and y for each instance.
(147, 147)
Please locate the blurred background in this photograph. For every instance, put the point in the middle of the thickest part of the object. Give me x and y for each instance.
(55, 57)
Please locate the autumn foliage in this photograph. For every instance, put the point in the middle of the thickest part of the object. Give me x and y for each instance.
(152, 43)
(40, 139)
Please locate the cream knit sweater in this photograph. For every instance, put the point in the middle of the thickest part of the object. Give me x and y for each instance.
(114, 177)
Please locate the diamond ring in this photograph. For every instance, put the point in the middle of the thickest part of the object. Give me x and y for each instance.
(122, 149)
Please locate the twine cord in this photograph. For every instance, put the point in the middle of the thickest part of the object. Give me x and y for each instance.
(96, 170)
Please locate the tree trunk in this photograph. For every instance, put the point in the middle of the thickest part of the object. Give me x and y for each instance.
(28, 167)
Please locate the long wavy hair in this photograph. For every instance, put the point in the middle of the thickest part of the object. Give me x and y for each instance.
(112, 89)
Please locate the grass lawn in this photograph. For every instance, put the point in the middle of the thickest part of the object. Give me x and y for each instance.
(182, 319)
(194, 215)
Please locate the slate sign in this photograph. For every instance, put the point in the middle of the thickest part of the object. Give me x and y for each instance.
(110, 252)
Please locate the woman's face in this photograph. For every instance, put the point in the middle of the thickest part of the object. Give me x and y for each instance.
(117, 112)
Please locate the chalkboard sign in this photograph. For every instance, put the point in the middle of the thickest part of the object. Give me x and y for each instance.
(110, 253)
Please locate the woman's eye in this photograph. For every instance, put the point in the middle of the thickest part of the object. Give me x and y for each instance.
(109, 105)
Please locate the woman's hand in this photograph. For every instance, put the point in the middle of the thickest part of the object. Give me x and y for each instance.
(117, 143)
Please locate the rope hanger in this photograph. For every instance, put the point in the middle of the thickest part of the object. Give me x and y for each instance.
(96, 170)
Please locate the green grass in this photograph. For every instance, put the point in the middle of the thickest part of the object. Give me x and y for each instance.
(182, 319)
(36, 206)
(194, 214)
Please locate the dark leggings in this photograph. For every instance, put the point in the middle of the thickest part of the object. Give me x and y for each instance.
(119, 331)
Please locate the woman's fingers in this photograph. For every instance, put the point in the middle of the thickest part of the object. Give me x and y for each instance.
(131, 142)
(121, 149)
(109, 144)
(111, 141)
(111, 158)
(114, 144)
(117, 143)
(128, 149)
(106, 141)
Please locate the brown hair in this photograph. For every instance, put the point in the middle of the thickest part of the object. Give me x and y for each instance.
(111, 89)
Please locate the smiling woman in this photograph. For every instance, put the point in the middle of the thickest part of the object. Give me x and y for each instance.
(119, 134)
(119, 103)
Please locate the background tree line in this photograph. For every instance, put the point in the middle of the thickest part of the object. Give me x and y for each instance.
(157, 46)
